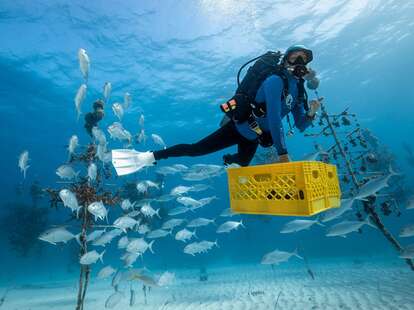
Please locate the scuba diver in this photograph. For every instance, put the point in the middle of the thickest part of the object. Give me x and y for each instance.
(272, 88)
(92, 118)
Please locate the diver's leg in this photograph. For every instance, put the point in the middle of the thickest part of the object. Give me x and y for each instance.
(220, 139)
(245, 152)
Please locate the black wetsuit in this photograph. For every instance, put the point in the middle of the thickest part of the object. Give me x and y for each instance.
(222, 138)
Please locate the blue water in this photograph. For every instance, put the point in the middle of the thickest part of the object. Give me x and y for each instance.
(179, 59)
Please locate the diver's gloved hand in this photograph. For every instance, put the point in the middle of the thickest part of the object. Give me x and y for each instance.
(284, 158)
(314, 106)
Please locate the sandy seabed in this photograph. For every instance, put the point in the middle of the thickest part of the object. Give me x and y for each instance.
(336, 286)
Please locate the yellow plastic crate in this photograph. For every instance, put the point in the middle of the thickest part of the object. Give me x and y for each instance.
(302, 188)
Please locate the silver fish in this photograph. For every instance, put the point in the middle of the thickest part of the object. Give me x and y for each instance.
(91, 257)
(346, 205)
(166, 170)
(107, 89)
(69, 200)
(117, 132)
(56, 235)
(114, 299)
(200, 187)
(229, 226)
(143, 229)
(92, 172)
(227, 213)
(189, 202)
(185, 235)
(180, 167)
(198, 222)
(123, 242)
(407, 231)
(127, 100)
(139, 245)
(166, 279)
(99, 136)
(275, 257)
(178, 210)
(180, 190)
(124, 223)
(141, 120)
(199, 247)
(94, 235)
(84, 63)
(66, 172)
(79, 98)
(126, 204)
(98, 210)
(158, 233)
(408, 252)
(142, 138)
(172, 223)
(73, 144)
(23, 162)
(345, 227)
(298, 225)
(118, 110)
(106, 272)
(158, 140)
(148, 211)
(130, 258)
(373, 186)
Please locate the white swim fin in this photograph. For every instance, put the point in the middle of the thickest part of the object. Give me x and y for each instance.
(127, 161)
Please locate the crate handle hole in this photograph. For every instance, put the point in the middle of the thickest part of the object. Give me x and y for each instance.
(301, 195)
(330, 174)
(315, 174)
(265, 177)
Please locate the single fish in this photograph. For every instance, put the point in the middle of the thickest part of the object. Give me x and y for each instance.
(92, 172)
(102, 154)
(185, 235)
(126, 205)
(314, 156)
(198, 222)
(114, 299)
(408, 252)
(200, 187)
(99, 136)
(275, 257)
(118, 110)
(180, 190)
(66, 172)
(123, 242)
(107, 237)
(56, 235)
(172, 223)
(158, 233)
(142, 138)
(298, 225)
(84, 63)
(189, 202)
(127, 100)
(117, 132)
(73, 144)
(165, 198)
(139, 245)
(345, 227)
(166, 170)
(94, 235)
(205, 201)
(407, 231)
(158, 140)
(143, 229)
(227, 213)
(130, 258)
(91, 257)
(180, 167)
(148, 211)
(346, 205)
(373, 186)
(124, 223)
(199, 247)
(24, 162)
(106, 272)
(229, 226)
(98, 210)
(141, 121)
(107, 89)
(166, 279)
(178, 210)
(69, 200)
(79, 98)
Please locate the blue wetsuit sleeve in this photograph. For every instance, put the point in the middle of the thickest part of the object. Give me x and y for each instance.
(302, 121)
(273, 87)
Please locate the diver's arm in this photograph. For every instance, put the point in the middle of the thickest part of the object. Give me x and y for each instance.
(273, 87)
(302, 119)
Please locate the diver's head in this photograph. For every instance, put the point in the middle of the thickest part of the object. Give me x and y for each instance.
(296, 58)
